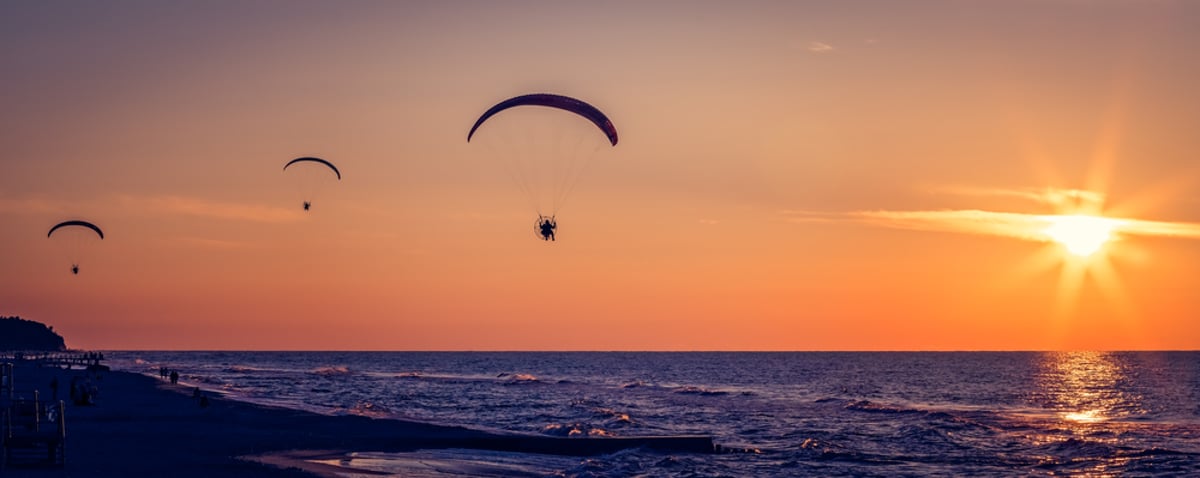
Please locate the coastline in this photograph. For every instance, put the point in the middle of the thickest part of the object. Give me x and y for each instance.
(144, 426)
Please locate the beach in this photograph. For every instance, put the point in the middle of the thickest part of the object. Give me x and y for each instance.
(141, 426)
(145, 426)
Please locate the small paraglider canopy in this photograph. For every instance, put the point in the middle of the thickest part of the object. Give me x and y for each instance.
(76, 223)
(553, 101)
(315, 160)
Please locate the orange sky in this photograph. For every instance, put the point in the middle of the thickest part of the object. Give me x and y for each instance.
(772, 158)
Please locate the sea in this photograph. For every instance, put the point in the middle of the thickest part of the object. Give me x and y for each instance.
(782, 414)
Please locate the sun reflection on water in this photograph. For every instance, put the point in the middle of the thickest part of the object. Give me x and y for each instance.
(1084, 388)
(1090, 398)
(1086, 416)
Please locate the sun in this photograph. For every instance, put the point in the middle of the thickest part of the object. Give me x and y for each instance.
(1081, 235)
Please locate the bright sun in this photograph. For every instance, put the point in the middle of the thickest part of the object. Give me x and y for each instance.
(1081, 235)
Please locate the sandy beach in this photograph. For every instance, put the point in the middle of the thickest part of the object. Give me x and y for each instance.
(144, 426)
(141, 426)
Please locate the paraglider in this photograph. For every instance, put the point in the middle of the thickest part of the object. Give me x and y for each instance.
(546, 227)
(547, 149)
(310, 175)
(75, 235)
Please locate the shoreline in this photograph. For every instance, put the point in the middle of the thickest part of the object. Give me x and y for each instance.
(303, 461)
(144, 426)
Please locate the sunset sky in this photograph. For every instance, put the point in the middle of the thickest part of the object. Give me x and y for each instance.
(790, 175)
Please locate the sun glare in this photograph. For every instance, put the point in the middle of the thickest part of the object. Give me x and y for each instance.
(1081, 235)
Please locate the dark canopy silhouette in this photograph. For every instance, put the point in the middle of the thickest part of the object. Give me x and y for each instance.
(553, 101)
(315, 160)
(76, 223)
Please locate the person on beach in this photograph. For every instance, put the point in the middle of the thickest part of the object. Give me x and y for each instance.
(87, 394)
(174, 377)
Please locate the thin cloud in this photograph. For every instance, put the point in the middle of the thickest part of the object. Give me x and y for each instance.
(819, 47)
(1061, 198)
(1030, 227)
(190, 206)
(166, 205)
(1182, 230)
(1016, 225)
(970, 221)
(213, 243)
(34, 206)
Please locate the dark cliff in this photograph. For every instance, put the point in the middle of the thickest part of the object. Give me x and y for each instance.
(20, 334)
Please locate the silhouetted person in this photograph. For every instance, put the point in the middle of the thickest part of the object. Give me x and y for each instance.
(174, 377)
(75, 269)
(85, 393)
(307, 205)
(547, 228)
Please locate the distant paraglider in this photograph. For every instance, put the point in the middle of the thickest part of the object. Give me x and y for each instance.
(310, 175)
(75, 236)
(546, 150)
(546, 227)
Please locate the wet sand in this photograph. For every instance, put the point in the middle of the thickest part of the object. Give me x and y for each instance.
(143, 426)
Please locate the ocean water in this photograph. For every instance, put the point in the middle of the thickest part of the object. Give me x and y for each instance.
(793, 414)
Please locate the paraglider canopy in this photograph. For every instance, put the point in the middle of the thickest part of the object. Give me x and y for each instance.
(76, 223)
(315, 160)
(553, 101)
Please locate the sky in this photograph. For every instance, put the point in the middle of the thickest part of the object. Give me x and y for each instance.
(790, 175)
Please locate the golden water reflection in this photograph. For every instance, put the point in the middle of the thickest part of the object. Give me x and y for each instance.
(1086, 388)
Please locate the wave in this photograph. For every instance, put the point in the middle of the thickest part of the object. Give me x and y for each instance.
(370, 409)
(874, 407)
(574, 430)
(612, 417)
(519, 378)
(693, 390)
(331, 370)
